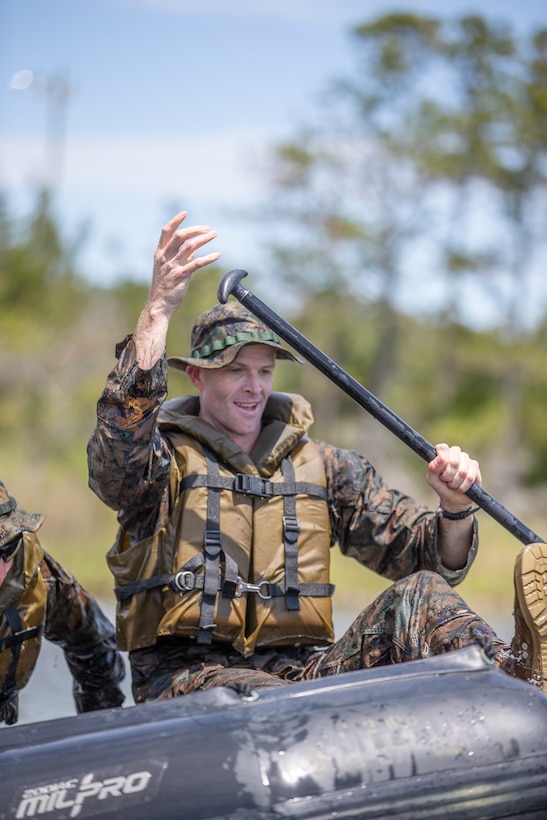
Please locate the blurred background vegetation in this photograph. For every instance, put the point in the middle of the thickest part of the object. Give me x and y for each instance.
(410, 210)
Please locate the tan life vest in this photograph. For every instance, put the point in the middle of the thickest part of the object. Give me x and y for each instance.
(242, 560)
(23, 608)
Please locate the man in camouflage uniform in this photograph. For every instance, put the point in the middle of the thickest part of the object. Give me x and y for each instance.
(38, 598)
(140, 456)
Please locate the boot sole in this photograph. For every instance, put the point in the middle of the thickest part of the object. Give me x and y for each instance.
(531, 589)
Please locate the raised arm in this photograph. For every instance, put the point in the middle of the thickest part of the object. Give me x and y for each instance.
(175, 262)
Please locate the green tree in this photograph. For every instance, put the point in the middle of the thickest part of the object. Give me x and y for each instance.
(417, 192)
(41, 299)
(489, 150)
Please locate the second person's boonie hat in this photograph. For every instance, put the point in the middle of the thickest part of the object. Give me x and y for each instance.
(219, 334)
(14, 520)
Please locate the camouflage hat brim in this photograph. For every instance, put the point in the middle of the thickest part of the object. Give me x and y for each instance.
(18, 521)
(226, 356)
(219, 334)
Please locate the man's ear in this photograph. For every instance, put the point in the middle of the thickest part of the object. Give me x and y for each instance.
(194, 374)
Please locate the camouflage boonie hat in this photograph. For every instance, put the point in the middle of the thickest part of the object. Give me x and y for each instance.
(219, 334)
(14, 520)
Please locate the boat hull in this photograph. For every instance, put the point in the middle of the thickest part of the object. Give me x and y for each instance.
(449, 737)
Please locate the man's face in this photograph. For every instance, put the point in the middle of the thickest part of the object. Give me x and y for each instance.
(232, 398)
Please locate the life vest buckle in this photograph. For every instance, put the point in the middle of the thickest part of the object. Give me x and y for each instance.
(184, 581)
(212, 543)
(291, 527)
(252, 485)
(243, 586)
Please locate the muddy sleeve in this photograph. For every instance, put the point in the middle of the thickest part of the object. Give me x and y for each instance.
(382, 528)
(128, 460)
(76, 623)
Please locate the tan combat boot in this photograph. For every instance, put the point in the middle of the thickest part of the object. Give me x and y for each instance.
(529, 646)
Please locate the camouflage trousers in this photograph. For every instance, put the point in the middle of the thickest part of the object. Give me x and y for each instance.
(414, 618)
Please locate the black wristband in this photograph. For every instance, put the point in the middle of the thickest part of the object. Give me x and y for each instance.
(440, 513)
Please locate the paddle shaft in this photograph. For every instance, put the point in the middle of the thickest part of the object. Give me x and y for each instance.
(231, 285)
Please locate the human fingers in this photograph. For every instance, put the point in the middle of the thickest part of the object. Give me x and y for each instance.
(175, 264)
(455, 468)
(176, 248)
(190, 240)
(441, 459)
(169, 229)
(202, 261)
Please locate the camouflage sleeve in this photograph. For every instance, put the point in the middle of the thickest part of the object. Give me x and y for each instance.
(384, 529)
(128, 460)
(76, 623)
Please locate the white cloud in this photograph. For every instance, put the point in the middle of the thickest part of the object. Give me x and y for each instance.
(124, 186)
(219, 165)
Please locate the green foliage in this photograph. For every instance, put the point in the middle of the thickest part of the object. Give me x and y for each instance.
(432, 148)
(396, 169)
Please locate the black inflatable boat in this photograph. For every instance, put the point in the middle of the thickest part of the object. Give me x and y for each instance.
(449, 737)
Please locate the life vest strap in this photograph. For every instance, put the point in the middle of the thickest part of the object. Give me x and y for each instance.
(8, 694)
(186, 581)
(21, 636)
(291, 531)
(253, 485)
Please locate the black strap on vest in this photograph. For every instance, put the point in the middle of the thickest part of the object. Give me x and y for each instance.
(185, 580)
(229, 584)
(254, 485)
(212, 553)
(291, 531)
(14, 642)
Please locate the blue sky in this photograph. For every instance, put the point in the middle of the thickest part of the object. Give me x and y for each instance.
(171, 103)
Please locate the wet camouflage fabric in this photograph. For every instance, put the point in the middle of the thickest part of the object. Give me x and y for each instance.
(385, 530)
(128, 462)
(14, 519)
(414, 618)
(129, 467)
(219, 334)
(75, 622)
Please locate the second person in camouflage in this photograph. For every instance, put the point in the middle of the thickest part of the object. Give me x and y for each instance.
(40, 599)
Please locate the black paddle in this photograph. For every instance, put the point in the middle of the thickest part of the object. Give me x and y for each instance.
(230, 284)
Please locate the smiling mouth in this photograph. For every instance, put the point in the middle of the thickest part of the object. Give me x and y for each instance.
(247, 405)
